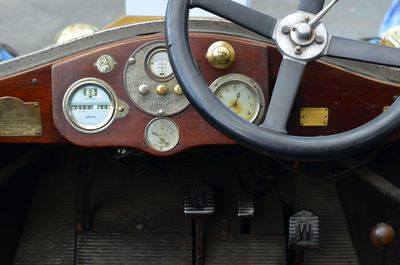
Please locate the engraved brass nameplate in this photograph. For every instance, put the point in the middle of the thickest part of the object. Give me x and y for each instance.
(314, 116)
(18, 118)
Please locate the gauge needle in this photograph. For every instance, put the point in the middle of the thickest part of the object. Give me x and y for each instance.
(159, 136)
(234, 103)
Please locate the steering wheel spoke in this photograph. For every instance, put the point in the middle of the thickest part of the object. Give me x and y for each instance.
(312, 6)
(363, 52)
(246, 17)
(284, 95)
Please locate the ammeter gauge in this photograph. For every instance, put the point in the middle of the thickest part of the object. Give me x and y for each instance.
(158, 65)
(162, 134)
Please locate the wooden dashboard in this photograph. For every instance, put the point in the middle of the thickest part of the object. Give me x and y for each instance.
(349, 99)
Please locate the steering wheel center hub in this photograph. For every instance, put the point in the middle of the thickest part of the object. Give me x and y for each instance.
(302, 34)
(298, 40)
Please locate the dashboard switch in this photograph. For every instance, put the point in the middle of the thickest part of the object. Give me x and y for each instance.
(144, 90)
(161, 90)
(178, 90)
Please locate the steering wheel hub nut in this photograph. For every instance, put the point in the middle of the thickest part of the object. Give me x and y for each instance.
(300, 42)
(302, 34)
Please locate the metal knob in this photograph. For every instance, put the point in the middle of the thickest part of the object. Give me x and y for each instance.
(221, 55)
(178, 90)
(161, 90)
(382, 235)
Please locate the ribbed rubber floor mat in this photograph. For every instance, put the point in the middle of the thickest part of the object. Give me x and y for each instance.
(49, 233)
(336, 247)
(133, 249)
(246, 250)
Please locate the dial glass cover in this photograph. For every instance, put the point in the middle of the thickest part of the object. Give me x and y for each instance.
(162, 134)
(89, 105)
(241, 95)
(158, 64)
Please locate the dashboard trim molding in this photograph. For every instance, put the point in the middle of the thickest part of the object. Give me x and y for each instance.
(56, 52)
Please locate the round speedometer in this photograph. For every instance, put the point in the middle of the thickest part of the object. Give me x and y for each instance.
(242, 95)
(89, 105)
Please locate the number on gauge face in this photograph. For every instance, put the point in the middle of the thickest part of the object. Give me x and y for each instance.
(158, 64)
(242, 95)
(239, 99)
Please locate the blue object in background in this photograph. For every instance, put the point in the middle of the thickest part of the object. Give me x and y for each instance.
(392, 18)
(5, 55)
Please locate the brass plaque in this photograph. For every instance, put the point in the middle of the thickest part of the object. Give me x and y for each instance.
(314, 116)
(18, 118)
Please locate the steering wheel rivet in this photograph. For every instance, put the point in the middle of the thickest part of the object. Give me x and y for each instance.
(285, 30)
(319, 39)
(298, 50)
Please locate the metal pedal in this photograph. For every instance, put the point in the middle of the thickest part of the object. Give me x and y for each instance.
(304, 231)
(199, 200)
(246, 205)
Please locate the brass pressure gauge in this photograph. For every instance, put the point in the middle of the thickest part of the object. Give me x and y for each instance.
(392, 38)
(221, 55)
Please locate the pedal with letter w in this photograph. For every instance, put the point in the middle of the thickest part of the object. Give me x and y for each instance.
(303, 231)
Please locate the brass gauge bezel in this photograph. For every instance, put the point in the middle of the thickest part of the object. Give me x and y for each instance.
(252, 85)
(150, 55)
(119, 108)
(153, 146)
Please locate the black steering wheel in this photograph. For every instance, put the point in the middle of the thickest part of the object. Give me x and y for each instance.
(301, 38)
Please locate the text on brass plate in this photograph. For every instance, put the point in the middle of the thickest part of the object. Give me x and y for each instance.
(314, 117)
(18, 118)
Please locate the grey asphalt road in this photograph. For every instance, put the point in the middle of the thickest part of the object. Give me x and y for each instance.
(28, 25)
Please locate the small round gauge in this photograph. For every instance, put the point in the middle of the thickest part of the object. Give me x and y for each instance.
(158, 65)
(162, 134)
(242, 95)
(89, 105)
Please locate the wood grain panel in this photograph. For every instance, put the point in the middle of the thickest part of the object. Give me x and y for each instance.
(22, 87)
(352, 100)
(195, 131)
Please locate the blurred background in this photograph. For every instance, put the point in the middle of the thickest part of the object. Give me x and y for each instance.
(29, 25)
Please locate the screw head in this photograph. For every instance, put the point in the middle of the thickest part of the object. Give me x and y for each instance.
(319, 39)
(298, 50)
(121, 109)
(132, 61)
(285, 30)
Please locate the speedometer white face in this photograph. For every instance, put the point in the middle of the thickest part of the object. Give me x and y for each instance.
(240, 94)
(89, 105)
(158, 65)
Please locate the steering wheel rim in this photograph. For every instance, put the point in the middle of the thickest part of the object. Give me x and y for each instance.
(261, 139)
